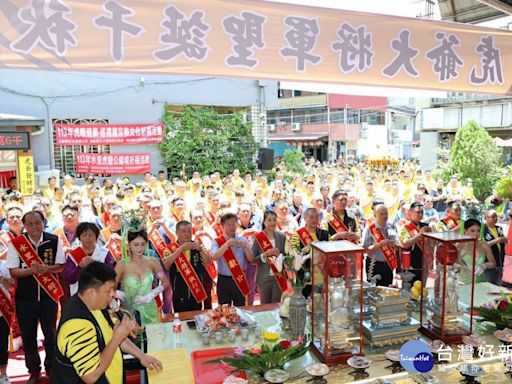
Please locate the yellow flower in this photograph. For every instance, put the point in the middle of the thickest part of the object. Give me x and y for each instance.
(270, 336)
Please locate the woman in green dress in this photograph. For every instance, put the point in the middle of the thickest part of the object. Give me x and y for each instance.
(136, 275)
(484, 258)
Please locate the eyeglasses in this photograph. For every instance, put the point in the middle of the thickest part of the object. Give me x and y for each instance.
(116, 216)
(197, 217)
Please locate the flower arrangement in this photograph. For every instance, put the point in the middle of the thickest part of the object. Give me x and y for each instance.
(293, 263)
(498, 312)
(272, 352)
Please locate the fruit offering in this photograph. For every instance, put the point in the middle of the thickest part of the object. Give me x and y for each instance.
(417, 290)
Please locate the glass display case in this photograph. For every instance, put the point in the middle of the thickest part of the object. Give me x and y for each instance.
(449, 264)
(336, 331)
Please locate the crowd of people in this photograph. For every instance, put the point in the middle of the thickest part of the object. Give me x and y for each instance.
(174, 245)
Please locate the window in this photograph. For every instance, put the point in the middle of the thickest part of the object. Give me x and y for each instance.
(64, 155)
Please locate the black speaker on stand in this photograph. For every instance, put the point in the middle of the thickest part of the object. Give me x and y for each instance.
(265, 159)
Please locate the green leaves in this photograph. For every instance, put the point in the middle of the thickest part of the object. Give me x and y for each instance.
(294, 163)
(207, 142)
(268, 357)
(472, 155)
(504, 185)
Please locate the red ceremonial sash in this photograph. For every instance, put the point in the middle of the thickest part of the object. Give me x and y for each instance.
(29, 256)
(77, 255)
(413, 230)
(337, 224)
(114, 247)
(235, 268)
(189, 275)
(388, 252)
(106, 219)
(7, 307)
(265, 245)
(210, 218)
(304, 236)
(212, 271)
(158, 242)
(60, 232)
(450, 222)
(219, 231)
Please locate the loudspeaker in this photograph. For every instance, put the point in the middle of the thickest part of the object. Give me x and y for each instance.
(265, 159)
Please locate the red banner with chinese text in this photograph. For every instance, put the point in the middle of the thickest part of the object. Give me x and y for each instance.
(108, 134)
(98, 163)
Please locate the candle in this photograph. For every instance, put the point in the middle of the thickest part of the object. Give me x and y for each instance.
(406, 259)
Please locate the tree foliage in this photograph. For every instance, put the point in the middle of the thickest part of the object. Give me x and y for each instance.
(504, 185)
(199, 139)
(294, 162)
(474, 155)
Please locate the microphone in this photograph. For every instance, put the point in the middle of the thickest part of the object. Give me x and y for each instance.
(119, 312)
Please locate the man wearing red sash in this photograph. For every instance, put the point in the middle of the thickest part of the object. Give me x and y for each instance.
(302, 239)
(110, 236)
(451, 221)
(340, 223)
(205, 236)
(248, 226)
(67, 235)
(35, 259)
(411, 238)
(13, 219)
(232, 254)
(380, 239)
(186, 266)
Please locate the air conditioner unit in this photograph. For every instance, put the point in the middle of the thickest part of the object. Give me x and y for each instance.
(271, 127)
(296, 127)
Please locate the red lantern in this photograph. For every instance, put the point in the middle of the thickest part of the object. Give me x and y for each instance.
(447, 254)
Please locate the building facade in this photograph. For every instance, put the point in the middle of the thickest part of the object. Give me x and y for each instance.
(326, 126)
(67, 97)
(439, 120)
